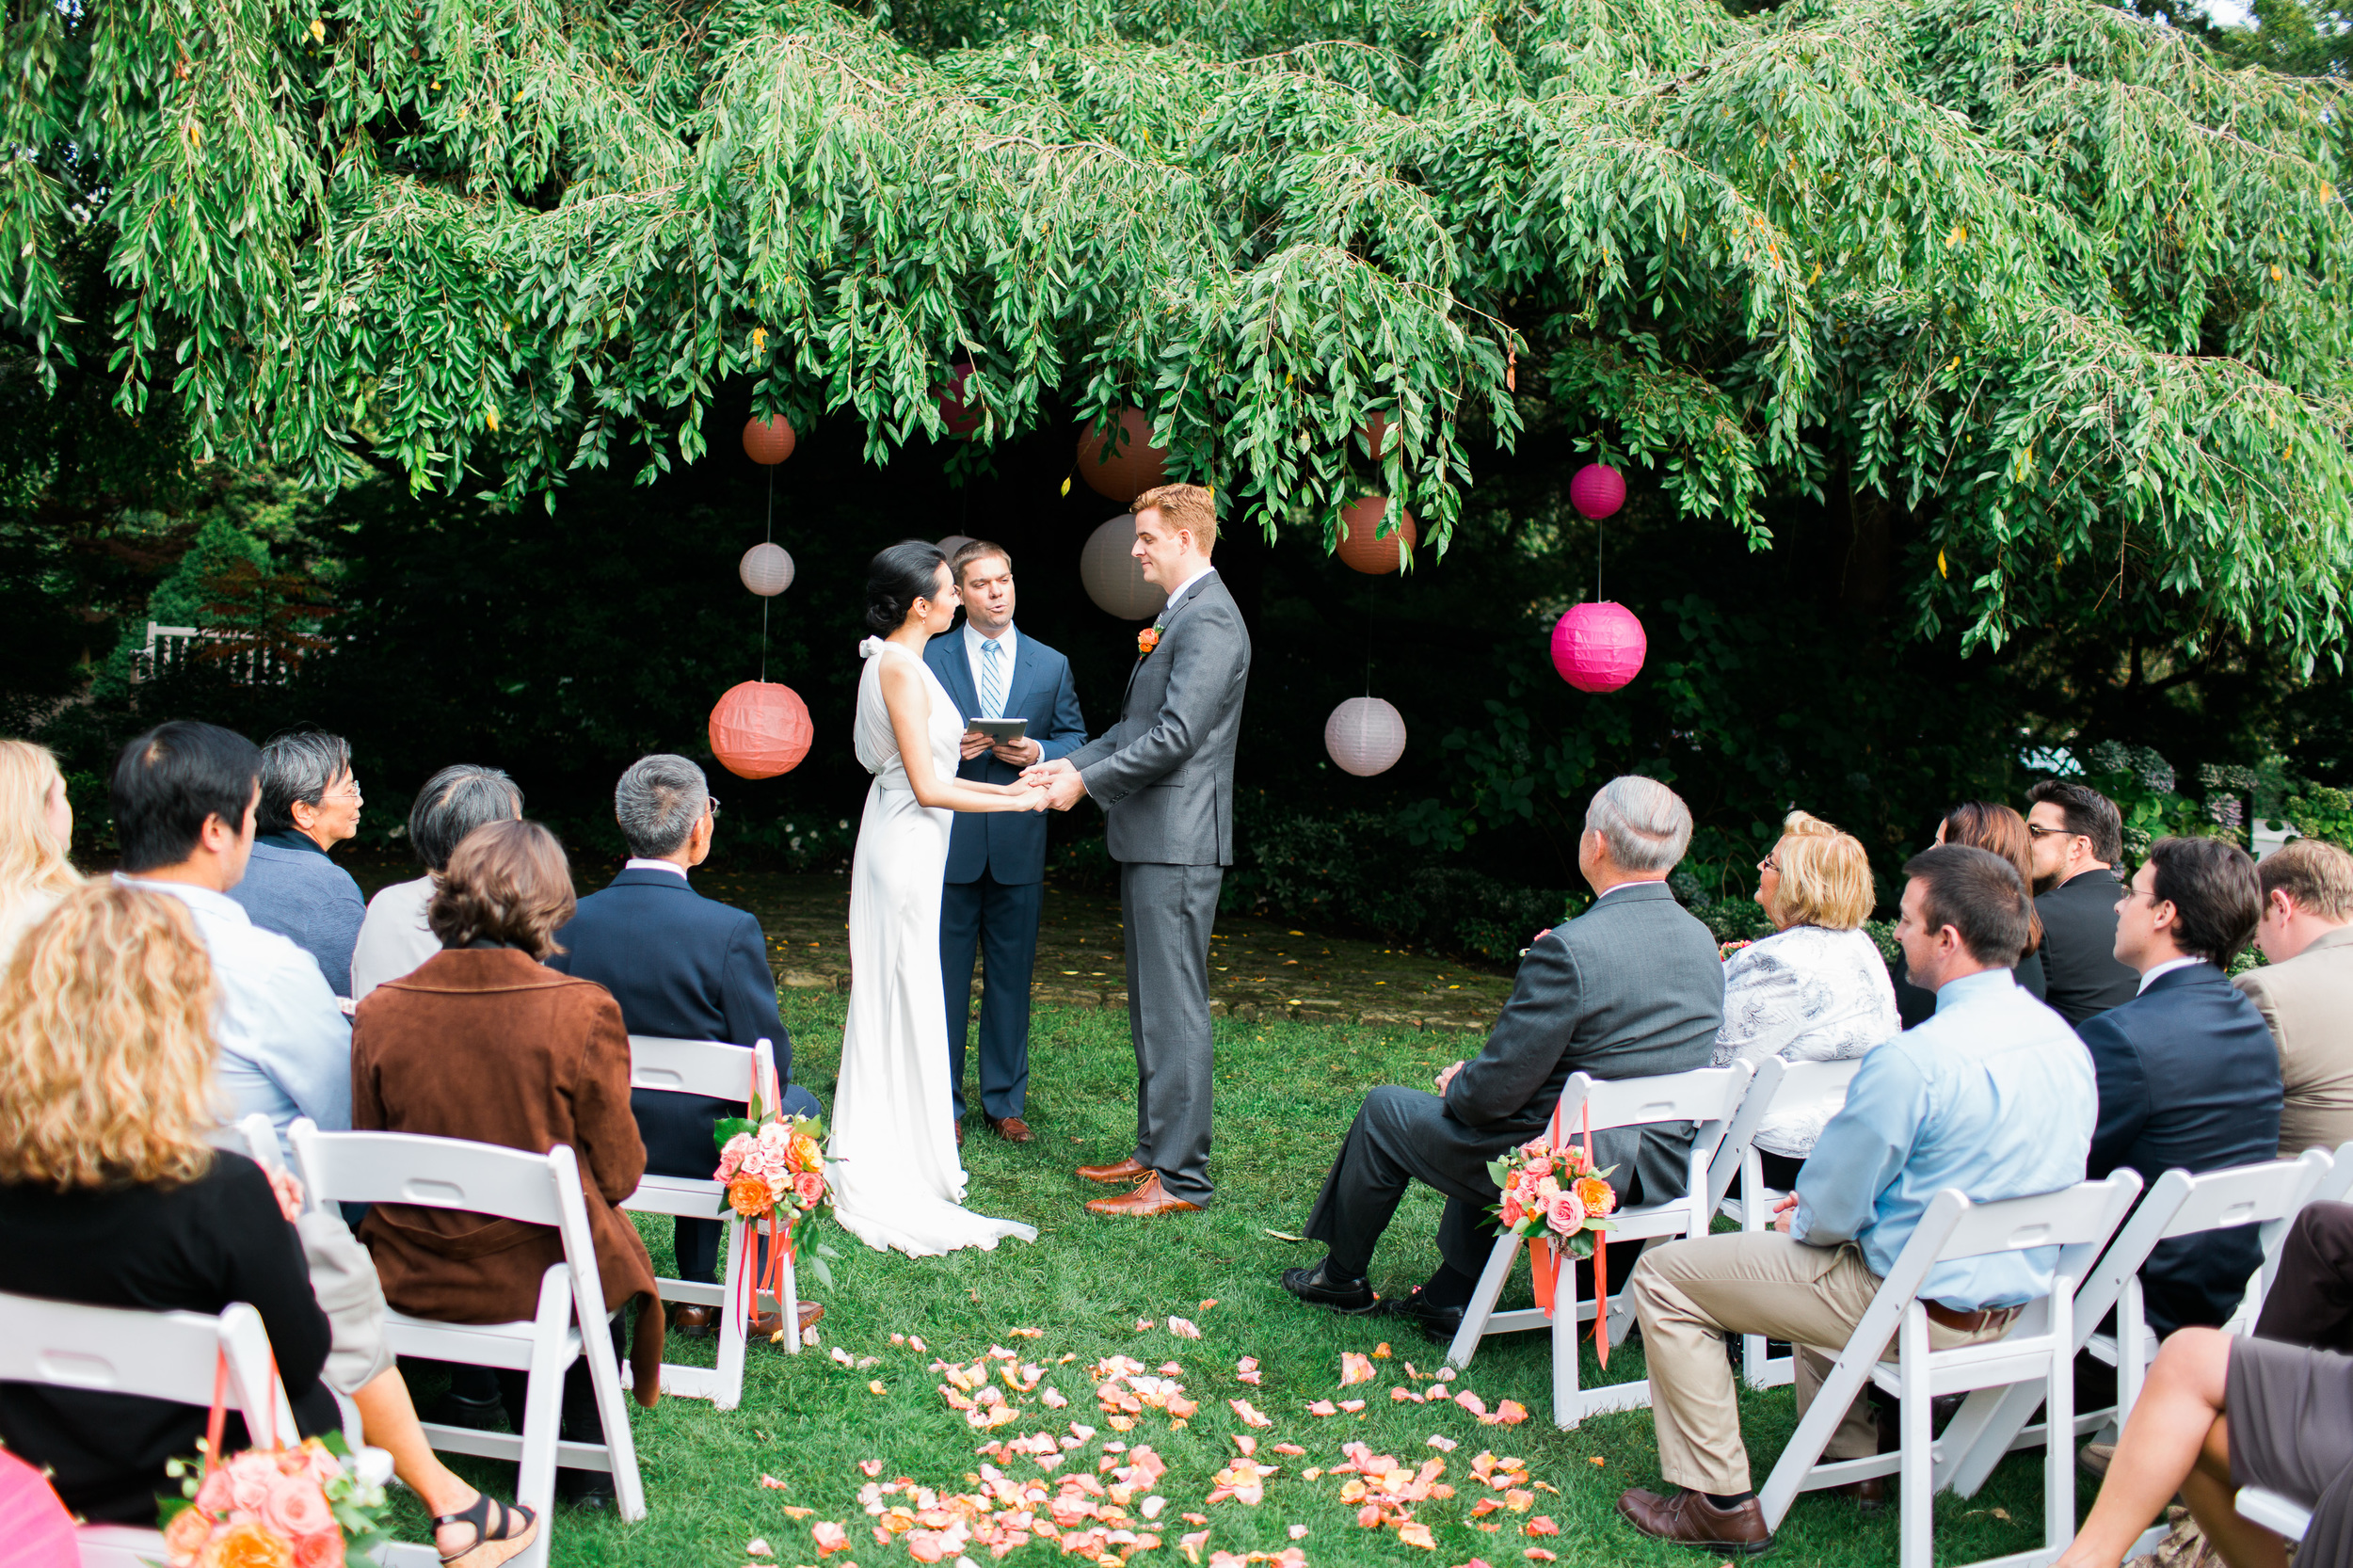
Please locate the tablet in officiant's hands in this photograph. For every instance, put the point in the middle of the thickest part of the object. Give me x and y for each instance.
(997, 731)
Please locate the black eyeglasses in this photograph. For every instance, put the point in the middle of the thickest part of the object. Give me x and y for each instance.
(715, 808)
(1769, 864)
(2036, 830)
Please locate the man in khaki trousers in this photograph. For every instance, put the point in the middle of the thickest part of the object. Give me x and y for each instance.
(1993, 1096)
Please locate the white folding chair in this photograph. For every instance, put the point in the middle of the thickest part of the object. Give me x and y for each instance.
(158, 1355)
(571, 1322)
(2273, 1513)
(1994, 1421)
(2039, 1348)
(1710, 1097)
(719, 1071)
(1793, 1083)
(2335, 1181)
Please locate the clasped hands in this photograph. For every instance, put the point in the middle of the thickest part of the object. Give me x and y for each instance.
(1063, 787)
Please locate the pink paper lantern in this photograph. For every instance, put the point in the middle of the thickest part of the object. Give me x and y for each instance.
(1598, 648)
(1365, 736)
(1598, 490)
(761, 730)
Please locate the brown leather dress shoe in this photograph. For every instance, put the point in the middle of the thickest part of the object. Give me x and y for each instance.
(1689, 1519)
(1869, 1494)
(1145, 1202)
(692, 1323)
(770, 1325)
(1013, 1130)
(1127, 1170)
(959, 1135)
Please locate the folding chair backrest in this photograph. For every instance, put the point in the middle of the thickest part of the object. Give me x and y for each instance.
(2337, 1180)
(431, 1173)
(1777, 1082)
(1702, 1094)
(712, 1068)
(2179, 1204)
(156, 1355)
(2081, 1218)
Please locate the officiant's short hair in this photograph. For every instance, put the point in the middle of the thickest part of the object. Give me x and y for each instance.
(973, 550)
(1185, 506)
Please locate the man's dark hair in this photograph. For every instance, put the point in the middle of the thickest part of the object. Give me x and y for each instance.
(2216, 897)
(300, 765)
(453, 804)
(1980, 895)
(170, 780)
(2087, 812)
(975, 549)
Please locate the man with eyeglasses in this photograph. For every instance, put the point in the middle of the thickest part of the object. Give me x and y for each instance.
(2077, 838)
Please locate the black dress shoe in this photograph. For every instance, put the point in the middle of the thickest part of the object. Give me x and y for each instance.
(586, 1489)
(454, 1409)
(1313, 1285)
(1440, 1324)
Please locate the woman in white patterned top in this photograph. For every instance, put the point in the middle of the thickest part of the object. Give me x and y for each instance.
(1817, 989)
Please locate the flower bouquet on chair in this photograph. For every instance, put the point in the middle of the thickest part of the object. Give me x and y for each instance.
(1551, 1193)
(271, 1507)
(774, 1169)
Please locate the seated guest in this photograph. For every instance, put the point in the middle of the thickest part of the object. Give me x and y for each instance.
(1815, 990)
(102, 1149)
(485, 1042)
(1630, 988)
(36, 837)
(2311, 1300)
(2078, 836)
(2188, 1077)
(2305, 992)
(395, 939)
(1982, 824)
(683, 967)
(1992, 1095)
(310, 804)
(184, 796)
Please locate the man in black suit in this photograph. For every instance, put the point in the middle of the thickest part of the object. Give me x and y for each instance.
(997, 860)
(682, 968)
(1630, 988)
(2188, 1077)
(2078, 836)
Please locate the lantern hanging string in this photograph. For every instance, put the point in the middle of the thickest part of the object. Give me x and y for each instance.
(765, 597)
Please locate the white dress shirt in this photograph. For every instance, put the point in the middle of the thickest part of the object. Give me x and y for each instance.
(2165, 968)
(1179, 591)
(394, 939)
(640, 863)
(1008, 641)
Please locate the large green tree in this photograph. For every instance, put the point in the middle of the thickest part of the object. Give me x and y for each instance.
(2050, 303)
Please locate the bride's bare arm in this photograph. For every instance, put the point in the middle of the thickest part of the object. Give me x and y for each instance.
(909, 703)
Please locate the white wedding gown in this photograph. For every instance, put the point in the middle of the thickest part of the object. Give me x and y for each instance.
(898, 1181)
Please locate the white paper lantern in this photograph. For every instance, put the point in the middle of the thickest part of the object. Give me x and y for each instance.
(952, 543)
(766, 569)
(1113, 575)
(1365, 736)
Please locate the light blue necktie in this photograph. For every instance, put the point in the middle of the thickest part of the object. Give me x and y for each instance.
(992, 678)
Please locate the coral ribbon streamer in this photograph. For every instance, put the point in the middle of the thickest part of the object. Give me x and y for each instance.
(1543, 1264)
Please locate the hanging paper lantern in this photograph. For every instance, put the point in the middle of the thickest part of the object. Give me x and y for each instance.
(1598, 490)
(1113, 575)
(760, 730)
(962, 413)
(1365, 547)
(766, 569)
(1126, 472)
(1365, 736)
(769, 440)
(952, 543)
(1598, 648)
(1379, 434)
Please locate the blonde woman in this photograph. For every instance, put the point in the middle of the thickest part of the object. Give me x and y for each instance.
(36, 833)
(111, 1195)
(1817, 989)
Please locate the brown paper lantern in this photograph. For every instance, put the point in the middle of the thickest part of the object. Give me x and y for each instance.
(1365, 736)
(769, 441)
(1113, 577)
(760, 730)
(1365, 547)
(1133, 468)
(1379, 434)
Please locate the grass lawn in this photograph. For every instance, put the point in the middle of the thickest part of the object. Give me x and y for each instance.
(1285, 1093)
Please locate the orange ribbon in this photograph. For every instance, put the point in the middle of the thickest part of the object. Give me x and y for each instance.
(1543, 1264)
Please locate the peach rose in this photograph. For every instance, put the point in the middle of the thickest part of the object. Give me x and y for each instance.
(323, 1549)
(808, 1187)
(324, 1466)
(1595, 1193)
(806, 1155)
(1564, 1213)
(213, 1495)
(731, 1156)
(1513, 1212)
(247, 1543)
(297, 1507)
(186, 1534)
(749, 1196)
(1548, 1188)
(250, 1476)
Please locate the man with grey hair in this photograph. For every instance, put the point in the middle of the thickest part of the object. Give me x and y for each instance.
(684, 968)
(395, 939)
(1630, 988)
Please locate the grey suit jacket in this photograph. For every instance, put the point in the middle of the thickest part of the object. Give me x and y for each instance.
(1164, 774)
(2307, 1002)
(1631, 988)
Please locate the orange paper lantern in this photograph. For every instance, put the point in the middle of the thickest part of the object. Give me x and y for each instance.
(1126, 470)
(769, 440)
(761, 730)
(1365, 547)
(1379, 434)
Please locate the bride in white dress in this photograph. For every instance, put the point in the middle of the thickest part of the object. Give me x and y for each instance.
(898, 1181)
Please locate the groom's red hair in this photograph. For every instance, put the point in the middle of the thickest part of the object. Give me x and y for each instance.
(1185, 506)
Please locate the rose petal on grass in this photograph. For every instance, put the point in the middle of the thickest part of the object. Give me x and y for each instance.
(1352, 1406)
(1542, 1524)
(870, 1466)
(1510, 1413)
(1401, 1395)
(1183, 1328)
(1381, 1351)
(1519, 1501)
(1027, 1333)
(841, 1356)
(1247, 1443)
(1444, 1444)
(876, 1387)
(1142, 1324)
(1208, 1303)
(1250, 1415)
(1537, 1554)
(830, 1538)
(1054, 1398)
(1415, 1533)
(797, 1513)
(1321, 1407)
(772, 1483)
(1354, 1368)
(1291, 1448)
(759, 1546)
(1190, 1544)
(1471, 1403)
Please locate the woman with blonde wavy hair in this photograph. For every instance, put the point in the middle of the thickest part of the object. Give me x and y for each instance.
(111, 1193)
(35, 835)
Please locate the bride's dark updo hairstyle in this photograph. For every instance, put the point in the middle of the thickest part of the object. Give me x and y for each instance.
(895, 579)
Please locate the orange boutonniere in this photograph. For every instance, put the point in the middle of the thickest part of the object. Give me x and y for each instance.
(1146, 640)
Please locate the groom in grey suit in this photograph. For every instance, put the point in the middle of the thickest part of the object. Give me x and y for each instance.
(1164, 776)
(1630, 988)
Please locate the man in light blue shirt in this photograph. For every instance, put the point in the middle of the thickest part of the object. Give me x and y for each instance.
(184, 797)
(1992, 1095)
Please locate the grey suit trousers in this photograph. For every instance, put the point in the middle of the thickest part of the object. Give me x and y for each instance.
(1169, 910)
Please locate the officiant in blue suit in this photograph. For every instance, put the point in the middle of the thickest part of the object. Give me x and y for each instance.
(997, 861)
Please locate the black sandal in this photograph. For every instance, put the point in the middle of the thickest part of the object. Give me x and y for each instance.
(478, 1516)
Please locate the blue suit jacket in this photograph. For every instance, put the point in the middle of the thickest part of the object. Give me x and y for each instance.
(2188, 1078)
(686, 967)
(1009, 845)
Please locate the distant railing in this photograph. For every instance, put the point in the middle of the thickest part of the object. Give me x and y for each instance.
(175, 647)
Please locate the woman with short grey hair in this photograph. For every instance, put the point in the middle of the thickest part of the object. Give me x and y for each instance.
(310, 804)
(394, 938)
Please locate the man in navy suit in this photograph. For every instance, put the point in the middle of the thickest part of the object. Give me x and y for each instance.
(996, 864)
(683, 967)
(2188, 1075)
